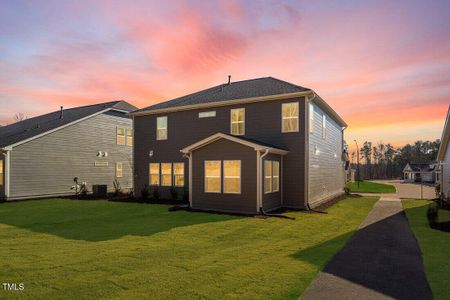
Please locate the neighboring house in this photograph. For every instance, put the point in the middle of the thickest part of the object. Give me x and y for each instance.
(444, 158)
(422, 172)
(40, 156)
(242, 147)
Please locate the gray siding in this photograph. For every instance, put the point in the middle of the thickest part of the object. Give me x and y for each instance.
(263, 123)
(47, 165)
(225, 150)
(445, 175)
(271, 201)
(326, 169)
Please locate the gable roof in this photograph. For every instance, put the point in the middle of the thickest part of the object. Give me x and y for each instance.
(27, 129)
(259, 146)
(445, 139)
(421, 167)
(244, 89)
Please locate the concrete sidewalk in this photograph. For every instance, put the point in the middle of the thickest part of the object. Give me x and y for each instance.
(381, 261)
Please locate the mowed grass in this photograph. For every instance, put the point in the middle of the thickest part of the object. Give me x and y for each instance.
(370, 187)
(434, 244)
(69, 249)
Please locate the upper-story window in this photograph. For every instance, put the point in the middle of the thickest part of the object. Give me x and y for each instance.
(120, 136)
(289, 117)
(324, 126)
(237, 121)
(129, 136)
(207, 114)
(161, 128)
(311, 117)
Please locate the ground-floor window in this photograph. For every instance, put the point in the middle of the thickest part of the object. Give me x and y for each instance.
(271, 176)
(178, 174)
(166, 174)
(232, 176)
(119, 170)
(154, 174)
(213, 175)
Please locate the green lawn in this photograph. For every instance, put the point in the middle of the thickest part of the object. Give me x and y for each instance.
(434, 244)
(70, 249)
(370, 187)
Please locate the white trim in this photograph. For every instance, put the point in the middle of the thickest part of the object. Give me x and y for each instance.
(166, 128)
(207, 114)
(9, 147)
(222, 103)
(240, 176)
(219, 136)
(231, 121)
(445, 139)
(260, 178)
(190, 157)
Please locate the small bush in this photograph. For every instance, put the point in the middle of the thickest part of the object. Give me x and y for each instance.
(156, 194)
(185, 195)
(437, 190)
(117, 188)
(432, 215)
(174, 193)
(145, 193)
(347, 191)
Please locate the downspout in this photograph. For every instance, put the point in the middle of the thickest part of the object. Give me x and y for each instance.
(189, 156)
(260, 208)
(6, 172)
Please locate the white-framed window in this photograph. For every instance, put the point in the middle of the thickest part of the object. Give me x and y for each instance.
(237, 117)
(267, 176)
(289, 116)
(311, 117)
(324, 126)
(119, 170)
(207, 114)
(232, 176)
(161, 128)
(120, 136)
(275, 176)
(178, 174)
(166, 174)
(213, 175)
(2, 172)
(129, 132)
(154, 173)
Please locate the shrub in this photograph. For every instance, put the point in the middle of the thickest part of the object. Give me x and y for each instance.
(156, 194)
(174, 193)
(437, 190)
(347, 191)
(145, 192)
(185, 195)
(432, 215)
(117, 188)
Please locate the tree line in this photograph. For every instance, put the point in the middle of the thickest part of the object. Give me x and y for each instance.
(384, 161)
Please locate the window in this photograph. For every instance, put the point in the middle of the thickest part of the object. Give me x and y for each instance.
(213, 174)
(289, 117)
(154, 174)
(276, 176)
(119, 170)
(324, 126)
(237, 121)
(311, 118)
(129, 137)
(1, 173)
(161, 128)
(267, 176)
(232, 176)
(178, 174)
(120, 136)
(207, 114)
(166, 174)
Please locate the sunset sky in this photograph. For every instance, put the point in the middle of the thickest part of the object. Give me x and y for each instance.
(384, 66)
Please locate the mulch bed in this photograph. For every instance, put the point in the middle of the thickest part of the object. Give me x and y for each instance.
(444, 226)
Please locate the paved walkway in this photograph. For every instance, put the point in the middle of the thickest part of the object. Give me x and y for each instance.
(381, 261)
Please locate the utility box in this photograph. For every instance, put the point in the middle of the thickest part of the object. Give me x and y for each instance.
(100, 190)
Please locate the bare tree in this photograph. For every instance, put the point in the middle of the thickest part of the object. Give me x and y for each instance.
(19, 117)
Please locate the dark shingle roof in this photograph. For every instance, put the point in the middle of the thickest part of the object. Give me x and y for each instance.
(31, 127)
(423, 167)
(259, 87)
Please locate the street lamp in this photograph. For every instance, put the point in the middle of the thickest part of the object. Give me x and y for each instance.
(357, 164)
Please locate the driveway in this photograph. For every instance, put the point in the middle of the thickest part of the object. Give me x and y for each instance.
(381, 261)
(408, 190)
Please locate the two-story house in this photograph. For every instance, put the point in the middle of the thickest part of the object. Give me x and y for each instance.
(242, 147)
(40, 156)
